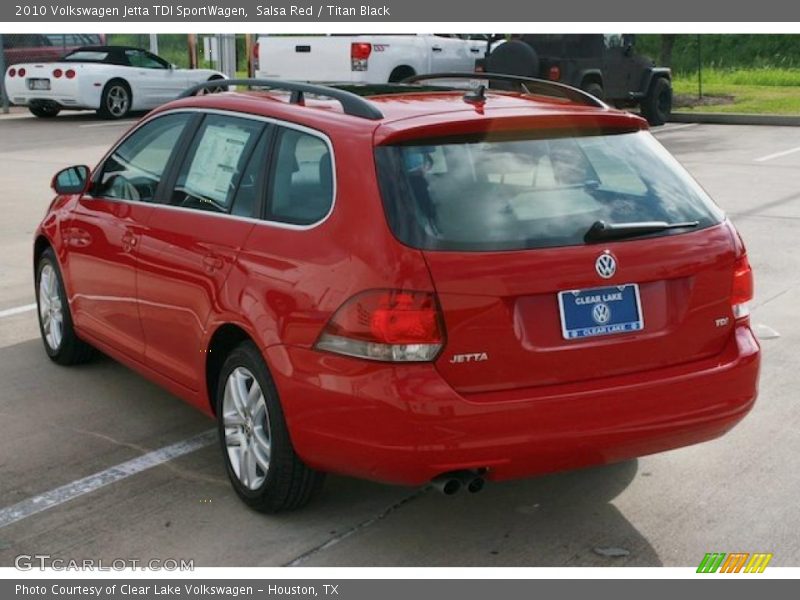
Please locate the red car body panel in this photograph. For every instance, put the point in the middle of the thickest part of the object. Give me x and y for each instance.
(150, 285)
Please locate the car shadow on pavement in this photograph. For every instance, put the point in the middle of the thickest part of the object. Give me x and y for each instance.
(102, 413)
(563, 519)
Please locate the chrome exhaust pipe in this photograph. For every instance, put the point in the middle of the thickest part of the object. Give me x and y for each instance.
(447, 484)
(451, 483)
(476, 484)
(472, 481)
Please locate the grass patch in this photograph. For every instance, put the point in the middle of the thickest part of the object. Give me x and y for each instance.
(753, 91)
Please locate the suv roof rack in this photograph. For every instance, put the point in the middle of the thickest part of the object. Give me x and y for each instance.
(529, 84)
(352, 104)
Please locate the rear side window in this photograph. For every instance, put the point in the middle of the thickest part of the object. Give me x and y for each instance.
(212, 171)
(134, 169)
(301, 191)
(480, 195)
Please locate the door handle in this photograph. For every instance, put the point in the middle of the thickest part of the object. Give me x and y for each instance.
(436, 48)
(212, 262)
(475, 50)
(128, 241)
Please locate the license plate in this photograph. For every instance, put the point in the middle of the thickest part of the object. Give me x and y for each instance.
(38, 84)
(600, 311)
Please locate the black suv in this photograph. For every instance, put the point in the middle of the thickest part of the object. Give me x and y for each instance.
(606, 66)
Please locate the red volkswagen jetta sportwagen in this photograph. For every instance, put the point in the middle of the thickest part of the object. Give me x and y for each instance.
(405, 283)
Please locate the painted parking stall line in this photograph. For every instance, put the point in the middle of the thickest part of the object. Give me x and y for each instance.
(109, 124)
(80, 487)
(10, 312)
(778, 154)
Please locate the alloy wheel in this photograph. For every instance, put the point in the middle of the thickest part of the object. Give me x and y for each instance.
(248, 441)
(117, 101)
(51, 310)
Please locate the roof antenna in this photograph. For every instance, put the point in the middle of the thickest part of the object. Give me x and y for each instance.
(476, 96)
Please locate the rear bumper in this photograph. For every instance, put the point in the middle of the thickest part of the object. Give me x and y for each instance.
(63, 95)
(406, 424)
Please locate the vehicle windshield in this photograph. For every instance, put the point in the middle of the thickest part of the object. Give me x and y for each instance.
(86, 56)
(487, 195)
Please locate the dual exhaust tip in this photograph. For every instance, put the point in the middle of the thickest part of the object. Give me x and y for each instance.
(452, 483)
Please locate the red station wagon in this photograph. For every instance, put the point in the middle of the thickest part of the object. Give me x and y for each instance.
(409, 283)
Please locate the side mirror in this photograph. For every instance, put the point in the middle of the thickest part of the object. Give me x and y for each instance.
(72, 180)
(172, 66)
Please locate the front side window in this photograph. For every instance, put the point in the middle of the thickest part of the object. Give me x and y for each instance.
(210, 175)
(481, 195)
(302, 185)
(134, 169)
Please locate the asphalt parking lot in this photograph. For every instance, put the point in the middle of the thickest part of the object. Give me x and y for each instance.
(58, 426)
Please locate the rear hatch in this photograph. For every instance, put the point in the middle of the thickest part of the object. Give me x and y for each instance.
(528, 298)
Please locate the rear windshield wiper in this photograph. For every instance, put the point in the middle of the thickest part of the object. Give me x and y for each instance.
(601, 231)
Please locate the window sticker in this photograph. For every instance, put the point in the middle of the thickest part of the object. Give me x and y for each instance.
(215, 163)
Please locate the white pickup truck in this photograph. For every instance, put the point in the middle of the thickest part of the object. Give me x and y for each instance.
(363, 58)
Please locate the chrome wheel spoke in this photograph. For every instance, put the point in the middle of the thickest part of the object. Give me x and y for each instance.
(233, 397)
(233, 419)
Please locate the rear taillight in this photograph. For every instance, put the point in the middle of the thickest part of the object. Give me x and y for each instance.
(386, 325)
(359, 56)
(255, 64)
(12, 72)
(554, 74)
(21, 72)
(57, 73)
(70, 74)
(742, 290)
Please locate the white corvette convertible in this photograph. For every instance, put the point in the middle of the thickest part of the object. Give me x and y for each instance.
(113, 80)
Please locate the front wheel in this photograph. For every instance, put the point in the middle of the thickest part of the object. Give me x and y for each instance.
(657, 105)
(61, 343)
(261, 463)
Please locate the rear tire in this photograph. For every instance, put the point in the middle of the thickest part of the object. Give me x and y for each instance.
(514, 58)
(216, 89)
(259, 457)
(656, 107)
(61, 343)
(593, 88)
(44, 111)
(116, 100)
(401, 73)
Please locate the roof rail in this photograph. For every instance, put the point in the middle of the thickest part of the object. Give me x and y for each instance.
(352, 104)
(530, 84)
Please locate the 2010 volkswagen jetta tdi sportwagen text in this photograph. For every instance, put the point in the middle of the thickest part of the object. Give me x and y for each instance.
(415, 283)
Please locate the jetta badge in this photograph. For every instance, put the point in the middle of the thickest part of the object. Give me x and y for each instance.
(606, 265)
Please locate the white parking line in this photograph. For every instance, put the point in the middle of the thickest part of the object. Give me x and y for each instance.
(778, 154)
(70, 491)
(668, 128)
(109, 124)
(17, 310)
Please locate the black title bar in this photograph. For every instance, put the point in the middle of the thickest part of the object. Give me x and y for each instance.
(468, 11)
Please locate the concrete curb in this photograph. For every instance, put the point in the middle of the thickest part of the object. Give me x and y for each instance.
(736, 119)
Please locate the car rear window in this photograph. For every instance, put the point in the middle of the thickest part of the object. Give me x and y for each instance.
(86, 56)
(514, 194)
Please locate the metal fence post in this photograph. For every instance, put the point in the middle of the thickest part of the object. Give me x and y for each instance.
(3, 95)
(154, 43)
(227, 52)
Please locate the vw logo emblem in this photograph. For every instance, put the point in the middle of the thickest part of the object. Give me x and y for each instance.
(601, 313)
(605, 265)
